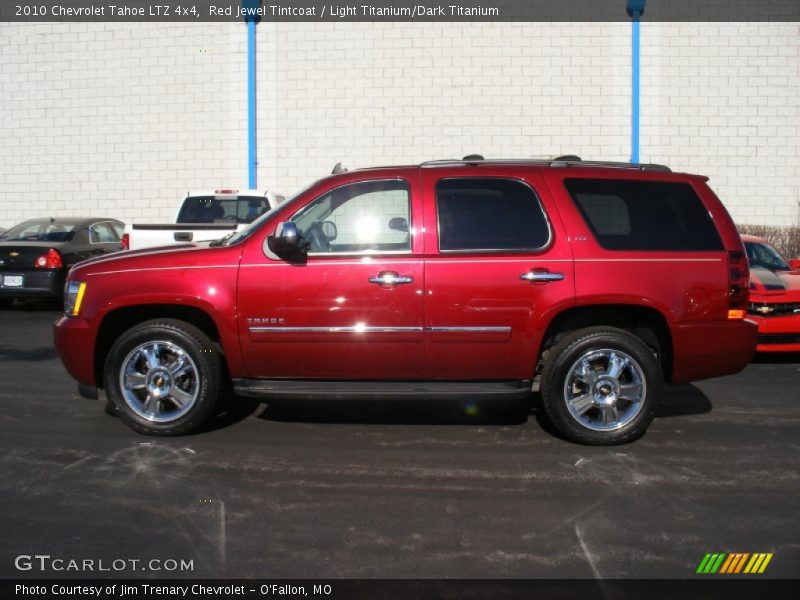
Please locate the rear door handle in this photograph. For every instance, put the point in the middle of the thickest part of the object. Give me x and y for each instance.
(541, 276)
(390, 278)
(183, 236)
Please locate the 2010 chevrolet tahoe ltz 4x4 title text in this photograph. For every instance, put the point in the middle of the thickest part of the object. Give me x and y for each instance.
(593, 282)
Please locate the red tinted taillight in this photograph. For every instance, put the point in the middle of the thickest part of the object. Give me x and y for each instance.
(738, 285)
(126, 241)
(51, 260)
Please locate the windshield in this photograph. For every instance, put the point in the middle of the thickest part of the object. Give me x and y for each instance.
(252, 227)
(222, 209)
(765, 256)
(39, 231)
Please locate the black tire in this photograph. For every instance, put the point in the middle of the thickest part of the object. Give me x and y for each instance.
(204, 379)
(5, 303)
(599, 344)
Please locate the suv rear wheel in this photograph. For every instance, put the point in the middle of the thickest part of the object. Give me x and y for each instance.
(601, 386)
(163, 377)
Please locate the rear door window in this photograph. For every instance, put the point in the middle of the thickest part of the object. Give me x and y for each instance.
(644, 215)
(490, 215)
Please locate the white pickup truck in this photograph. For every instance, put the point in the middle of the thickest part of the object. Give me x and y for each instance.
(203, 217)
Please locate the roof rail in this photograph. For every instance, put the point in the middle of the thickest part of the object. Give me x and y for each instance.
(611, 164)
(562, 161)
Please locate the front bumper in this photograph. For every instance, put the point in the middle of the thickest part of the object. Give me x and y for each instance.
(778, 334)
(74, 341)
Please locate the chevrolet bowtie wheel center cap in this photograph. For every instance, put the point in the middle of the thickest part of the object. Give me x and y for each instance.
(159, 382)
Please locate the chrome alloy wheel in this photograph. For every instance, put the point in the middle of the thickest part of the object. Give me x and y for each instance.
(604, 389)
(159, 381)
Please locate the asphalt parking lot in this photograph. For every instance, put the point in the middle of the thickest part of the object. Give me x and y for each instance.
(367, 489)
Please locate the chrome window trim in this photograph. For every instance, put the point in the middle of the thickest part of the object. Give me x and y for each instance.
(536, 196)
(362, 253)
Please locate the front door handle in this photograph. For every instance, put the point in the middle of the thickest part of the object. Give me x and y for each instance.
(390, 278)
(541, 276)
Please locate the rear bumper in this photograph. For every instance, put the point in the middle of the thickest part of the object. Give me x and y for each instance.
(74, 341)
(36, 284)
(704, 350)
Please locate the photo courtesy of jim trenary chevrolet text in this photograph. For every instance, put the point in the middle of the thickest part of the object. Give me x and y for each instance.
(399, 299)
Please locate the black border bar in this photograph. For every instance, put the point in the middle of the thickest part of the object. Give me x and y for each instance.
(705, 587)
(310, 11)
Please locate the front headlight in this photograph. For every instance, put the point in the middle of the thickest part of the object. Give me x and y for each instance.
(73, 298)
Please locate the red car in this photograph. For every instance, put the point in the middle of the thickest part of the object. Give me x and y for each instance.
(592, 283)
(774, 296)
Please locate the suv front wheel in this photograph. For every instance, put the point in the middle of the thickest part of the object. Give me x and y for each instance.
(601, 386)
(163, 377)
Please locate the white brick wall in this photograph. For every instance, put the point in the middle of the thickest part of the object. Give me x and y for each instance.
(122, 119)
(117, 120)
(724, 100)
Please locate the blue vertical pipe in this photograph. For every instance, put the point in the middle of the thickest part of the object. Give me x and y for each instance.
(635, 10)
(635, 91)
(251, 103)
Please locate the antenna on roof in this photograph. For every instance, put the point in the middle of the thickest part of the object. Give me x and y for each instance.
(338, 168)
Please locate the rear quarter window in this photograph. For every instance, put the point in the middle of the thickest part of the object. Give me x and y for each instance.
(644, 215)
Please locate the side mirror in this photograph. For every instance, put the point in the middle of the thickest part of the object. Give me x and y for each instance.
(795, 264)
(287, 240)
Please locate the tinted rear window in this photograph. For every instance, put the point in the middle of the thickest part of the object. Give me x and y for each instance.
(489, 214)
(213, 209)
(644, 215)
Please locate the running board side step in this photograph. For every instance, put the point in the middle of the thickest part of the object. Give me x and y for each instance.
(350, 390)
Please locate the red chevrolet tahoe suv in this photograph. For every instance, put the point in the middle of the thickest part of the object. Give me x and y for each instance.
(592, 283)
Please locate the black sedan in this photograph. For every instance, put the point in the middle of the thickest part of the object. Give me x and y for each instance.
(36, 254)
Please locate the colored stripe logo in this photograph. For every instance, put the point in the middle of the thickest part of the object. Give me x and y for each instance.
(734, 563)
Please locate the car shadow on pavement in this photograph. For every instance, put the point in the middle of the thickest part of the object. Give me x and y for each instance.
(679, 400)
(232, 411)
(683, 400)
(36, 305)
(776, 358)
(435, 411)
(28, 355)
